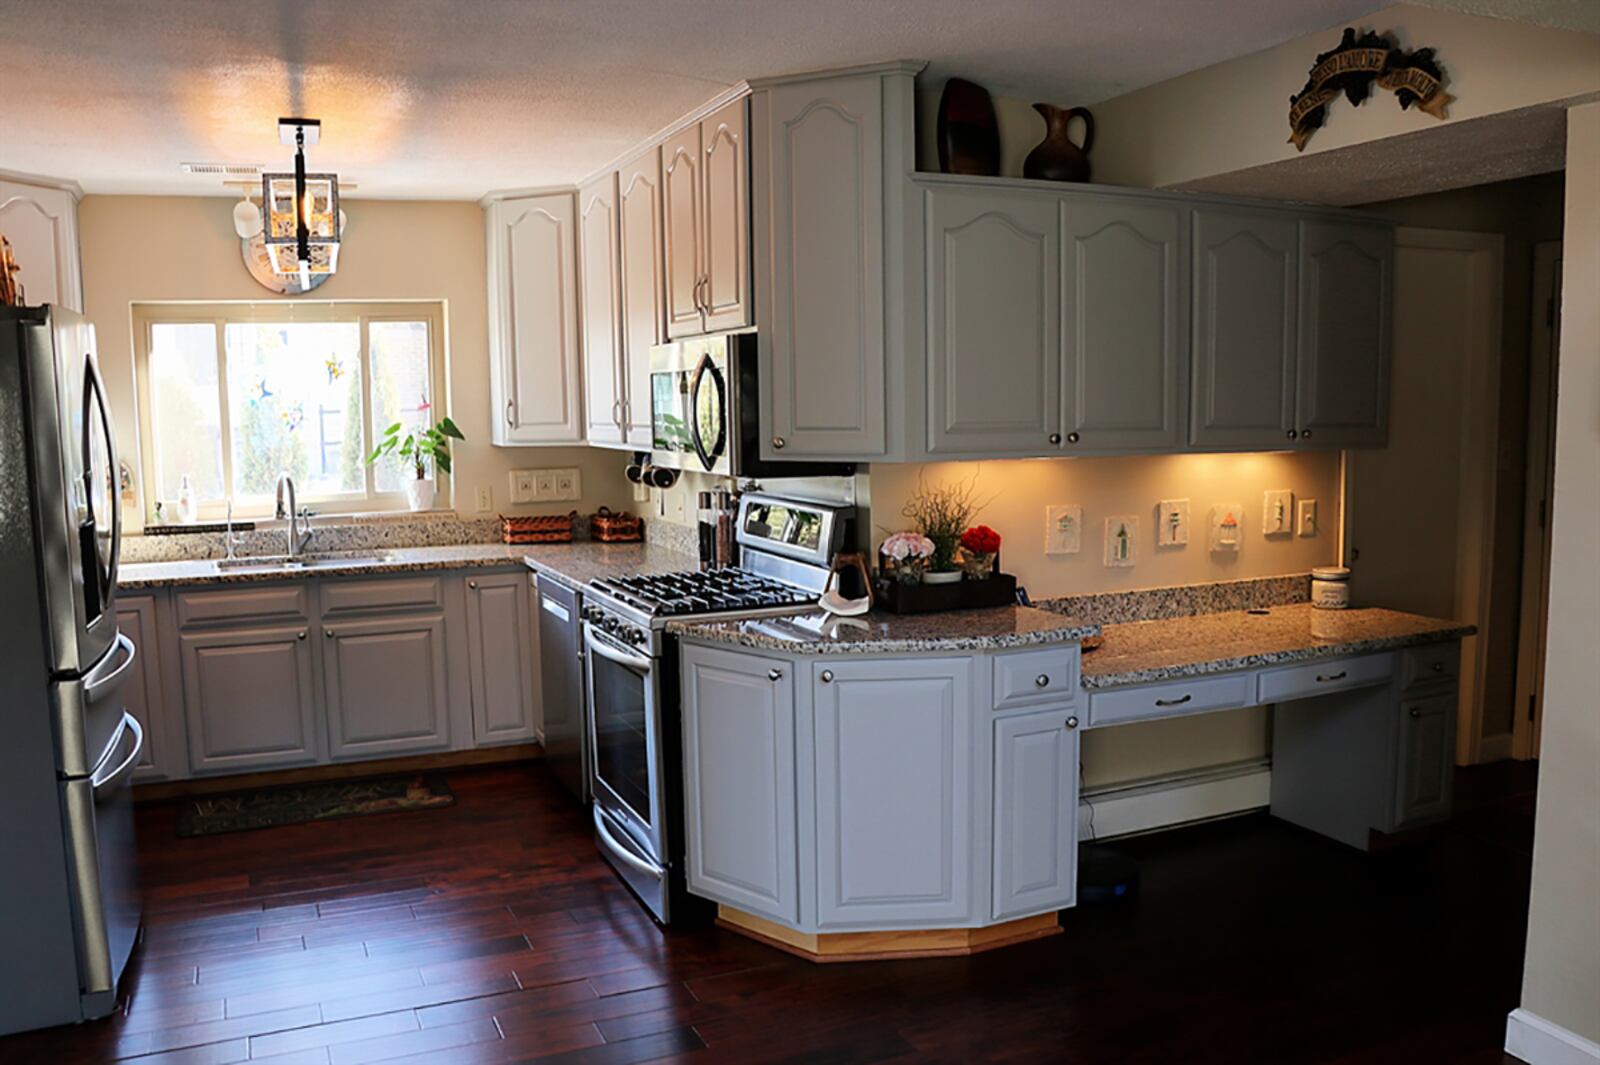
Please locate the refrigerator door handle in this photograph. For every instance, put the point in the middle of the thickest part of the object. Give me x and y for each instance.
(105, 779)
(94, 387)
(94, 686)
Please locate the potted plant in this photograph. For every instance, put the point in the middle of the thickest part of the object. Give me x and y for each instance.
(907, 554)
(942, 514)
(417, 449)
(979, 546)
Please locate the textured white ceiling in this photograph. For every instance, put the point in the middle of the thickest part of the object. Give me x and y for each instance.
(452, 98)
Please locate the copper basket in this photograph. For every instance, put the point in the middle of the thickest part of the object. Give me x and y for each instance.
(612, 528)
(545, 529)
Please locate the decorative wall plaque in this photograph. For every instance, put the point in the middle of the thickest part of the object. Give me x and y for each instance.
(1352, 68)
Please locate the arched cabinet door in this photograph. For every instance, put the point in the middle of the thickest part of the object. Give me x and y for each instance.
(599, 276)
(41, 224)
(682, 206)
(725, 260)
(1346, 274)
(1124, 315)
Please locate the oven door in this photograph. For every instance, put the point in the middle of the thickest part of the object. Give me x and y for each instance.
(625, 747)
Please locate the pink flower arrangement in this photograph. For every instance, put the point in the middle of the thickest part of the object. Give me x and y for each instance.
(904, 546)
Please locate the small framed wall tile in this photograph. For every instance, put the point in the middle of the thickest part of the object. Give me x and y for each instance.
(1227, 527)
(1122, 540)
(1277, 512)
(1172, 523)
(1063, 529)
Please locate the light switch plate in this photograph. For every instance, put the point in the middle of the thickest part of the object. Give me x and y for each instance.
(569, 485)
(1172, 523)
(522, 486)
(1277, 512)
(1308, 517)
(1063, 529)
(485, 499)
(544, 484)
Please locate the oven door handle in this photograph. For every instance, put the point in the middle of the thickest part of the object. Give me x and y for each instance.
(621, 850)
(605, 649)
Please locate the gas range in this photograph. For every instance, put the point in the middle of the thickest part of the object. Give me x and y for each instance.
(635, 609)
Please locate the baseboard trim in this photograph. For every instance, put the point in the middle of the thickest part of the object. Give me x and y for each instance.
(1201, 795)
(1541, 1042)
(1495, 748)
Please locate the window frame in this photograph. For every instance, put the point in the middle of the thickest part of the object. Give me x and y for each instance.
(219, 314)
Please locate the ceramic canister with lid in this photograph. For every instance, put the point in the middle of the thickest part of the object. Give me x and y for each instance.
(1330, 587)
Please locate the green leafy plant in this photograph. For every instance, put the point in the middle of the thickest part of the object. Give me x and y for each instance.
(942, 513)
(420, 447)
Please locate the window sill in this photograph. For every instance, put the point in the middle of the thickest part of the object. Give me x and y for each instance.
(363, 517)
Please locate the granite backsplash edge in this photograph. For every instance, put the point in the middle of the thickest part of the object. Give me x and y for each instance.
(1183, 600)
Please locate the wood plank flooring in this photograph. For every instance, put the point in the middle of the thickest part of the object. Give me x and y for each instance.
(490, 932)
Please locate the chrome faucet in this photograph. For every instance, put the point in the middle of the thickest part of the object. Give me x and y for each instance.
(298, 537)
(229, 541)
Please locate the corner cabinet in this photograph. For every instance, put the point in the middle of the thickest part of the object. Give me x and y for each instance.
(535, 371)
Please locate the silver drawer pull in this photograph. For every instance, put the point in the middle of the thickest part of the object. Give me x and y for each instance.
(774, 674)
(1174, 702)
(1325, 678)
(1042, 680)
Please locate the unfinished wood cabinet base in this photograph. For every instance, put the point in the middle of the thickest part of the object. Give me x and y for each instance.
(886, 946)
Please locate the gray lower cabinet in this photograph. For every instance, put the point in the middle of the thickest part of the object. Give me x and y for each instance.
(249, 698)
(739, 781)
(1035, 813)
(500, 658)
(894, 773)
(1426, 757)
(1242, 387)
(994, 310)
(384, 686)
(1346, 276)
(143, 691)
(1124, 309)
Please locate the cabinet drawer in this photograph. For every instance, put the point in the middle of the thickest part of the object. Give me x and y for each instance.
(1316, 678)
(402, 593)
(1150, 701)
(1026, 678)
(280, 602)
(1425, 665)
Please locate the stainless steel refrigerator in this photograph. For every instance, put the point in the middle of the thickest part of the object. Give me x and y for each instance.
(69, 903)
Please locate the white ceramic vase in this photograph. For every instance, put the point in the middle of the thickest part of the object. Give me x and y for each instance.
(419, 494)
(945, 577)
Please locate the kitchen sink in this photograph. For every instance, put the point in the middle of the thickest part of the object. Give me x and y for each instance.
(310, 560)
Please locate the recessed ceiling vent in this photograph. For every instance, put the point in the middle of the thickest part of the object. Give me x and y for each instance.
(223, 169)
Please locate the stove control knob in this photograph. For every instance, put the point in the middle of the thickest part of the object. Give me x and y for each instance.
(609, 624)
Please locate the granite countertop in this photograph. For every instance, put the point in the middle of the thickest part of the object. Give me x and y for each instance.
(812, 632)
(140, 575)
(582, 562)
(1143, 652)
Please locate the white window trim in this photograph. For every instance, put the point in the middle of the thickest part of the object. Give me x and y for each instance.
(364, 312)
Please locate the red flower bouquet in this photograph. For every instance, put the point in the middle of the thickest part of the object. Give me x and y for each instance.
(979, 545)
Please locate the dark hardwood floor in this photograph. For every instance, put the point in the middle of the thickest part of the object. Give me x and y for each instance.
(491, 932)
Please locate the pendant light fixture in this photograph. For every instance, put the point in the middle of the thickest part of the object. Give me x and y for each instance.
(300, 210)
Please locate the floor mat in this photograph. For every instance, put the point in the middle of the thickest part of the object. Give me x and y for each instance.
(294, 804)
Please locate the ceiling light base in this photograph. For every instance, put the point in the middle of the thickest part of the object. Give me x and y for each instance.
(287, 127)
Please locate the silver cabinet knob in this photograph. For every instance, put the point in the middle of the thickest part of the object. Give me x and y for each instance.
(826, 676)
(300, 635)
(1042, 680)
(1055, 438)
(328, 633)
(1438, 667)
(1072, 438)
(1414, 712)
(1305, 434)
(1291, 434)
(472, 584)
(1072, 722)
(778, 442)
(774, 674)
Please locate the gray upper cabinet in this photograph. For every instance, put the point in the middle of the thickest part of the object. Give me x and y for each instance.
(250, 699)
(1346, 279)
(994, 308)
(896, 846)
(535, 364)
(599, 277)
(500, 663)
(1035, 813)
(725, 262)
(739, 771)
(1124, 309)
(1242, 389)
(384, 686)
(642, 286)
(818, 174)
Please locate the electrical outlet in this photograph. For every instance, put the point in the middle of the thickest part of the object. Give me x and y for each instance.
(569, 485)
(485, 499)
(1277, 512)
(522, 486)
(1308, 517)
(544, 485)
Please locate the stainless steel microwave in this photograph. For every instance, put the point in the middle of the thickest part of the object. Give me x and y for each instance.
(705, 411)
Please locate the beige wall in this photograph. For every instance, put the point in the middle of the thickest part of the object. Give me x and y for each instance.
(1234, 115)
(148, 248)
(1561, 978)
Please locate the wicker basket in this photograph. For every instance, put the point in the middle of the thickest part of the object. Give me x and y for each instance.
(547, 529)
(612, 528)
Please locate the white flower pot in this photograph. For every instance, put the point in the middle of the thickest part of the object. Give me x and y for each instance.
(946, 577)
(419, 494)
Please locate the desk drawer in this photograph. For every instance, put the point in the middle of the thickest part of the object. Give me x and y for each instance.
(1148, 702)
(1318, 678)
(273, 604)
(1027, 678)
(1425, 665)
(393, 593)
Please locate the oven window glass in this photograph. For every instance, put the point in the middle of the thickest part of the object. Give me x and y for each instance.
(622, 748)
